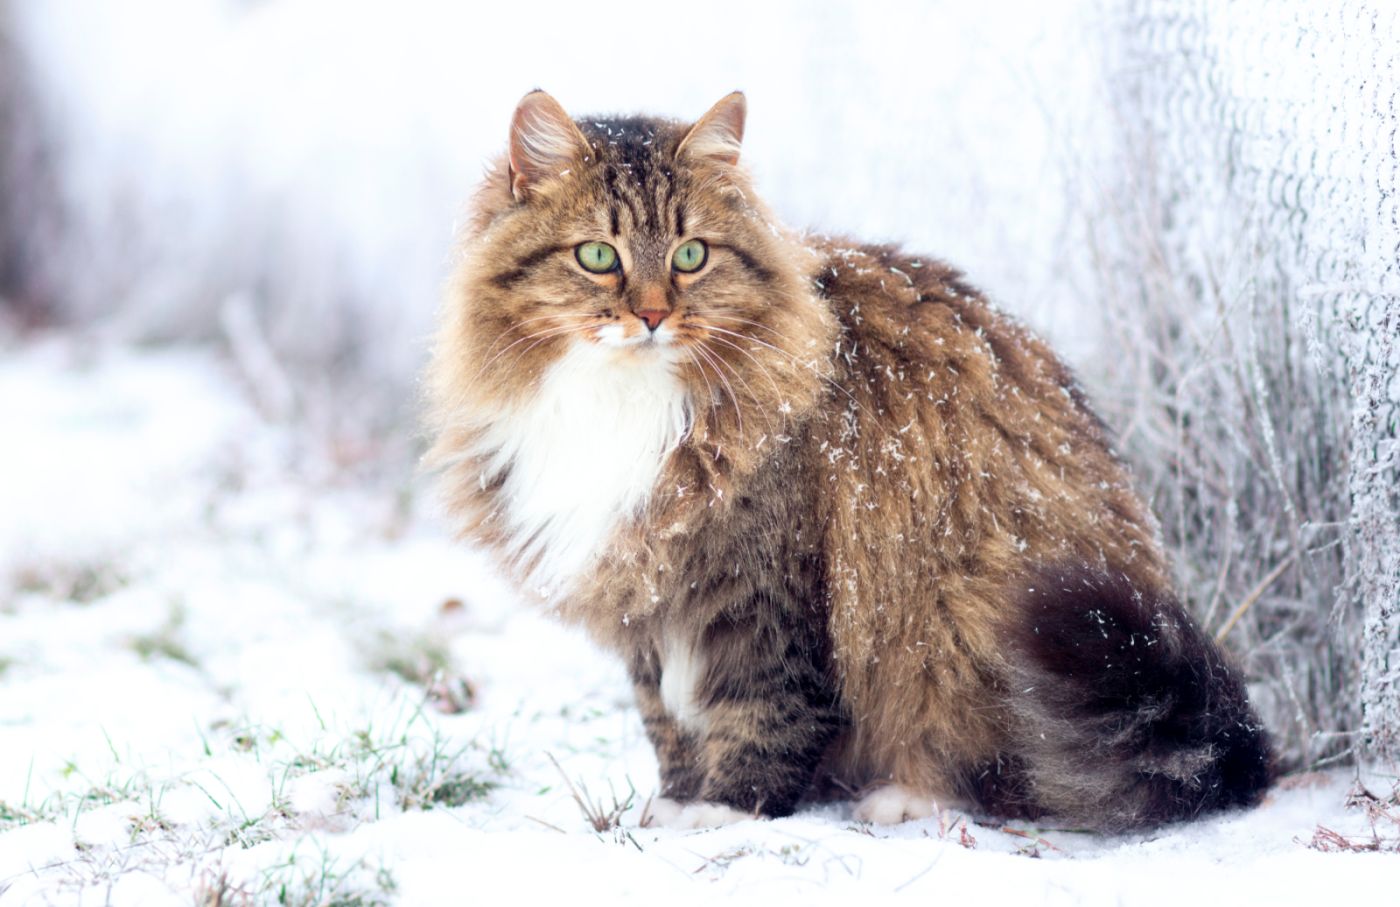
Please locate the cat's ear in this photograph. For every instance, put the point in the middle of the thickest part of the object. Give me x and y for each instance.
(544, 143)
(718, 134)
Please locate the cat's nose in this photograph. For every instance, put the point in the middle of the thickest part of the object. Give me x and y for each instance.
(653, 317)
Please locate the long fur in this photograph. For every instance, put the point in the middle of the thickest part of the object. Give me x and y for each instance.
(1127, 715)
(807, 511)
(563, 495)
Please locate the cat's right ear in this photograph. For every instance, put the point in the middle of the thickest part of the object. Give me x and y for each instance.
(544, 143)
(718, 134)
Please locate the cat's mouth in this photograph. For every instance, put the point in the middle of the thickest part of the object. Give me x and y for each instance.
(617, 337)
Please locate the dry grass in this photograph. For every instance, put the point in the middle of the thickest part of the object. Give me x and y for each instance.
(1223, 381)
(603, 817)
(1382, 814)
(1240, 448)
(221, 891)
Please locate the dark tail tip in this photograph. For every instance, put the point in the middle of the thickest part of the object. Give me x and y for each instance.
(1126, 714)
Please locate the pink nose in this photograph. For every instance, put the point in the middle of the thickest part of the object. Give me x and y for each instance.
(653, 317)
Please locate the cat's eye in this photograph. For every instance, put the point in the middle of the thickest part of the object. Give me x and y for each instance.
(690, 256)
(598, 257)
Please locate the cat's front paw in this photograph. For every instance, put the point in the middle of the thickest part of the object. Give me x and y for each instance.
(894, 803)
(663, 812)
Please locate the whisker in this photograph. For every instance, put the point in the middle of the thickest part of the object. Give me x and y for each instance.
(709, 388)
(749, 321)
(732, 370)
(763, 369)
(738, 409)
(515, 324)
(512, 346)
(572, 329)
(541, 335)
(807, 365)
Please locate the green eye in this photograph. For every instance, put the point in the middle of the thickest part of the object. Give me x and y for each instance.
(690, 256)
(598, 257)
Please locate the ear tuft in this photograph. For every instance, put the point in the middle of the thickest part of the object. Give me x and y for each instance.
(544, 142)
(718, 134)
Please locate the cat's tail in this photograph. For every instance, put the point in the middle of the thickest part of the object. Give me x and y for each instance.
(1125, 715)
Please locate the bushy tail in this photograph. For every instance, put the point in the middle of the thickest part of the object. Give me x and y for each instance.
(1126, 715)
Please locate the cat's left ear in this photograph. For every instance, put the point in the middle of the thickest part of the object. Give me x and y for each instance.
(718, 134)
(544, 143)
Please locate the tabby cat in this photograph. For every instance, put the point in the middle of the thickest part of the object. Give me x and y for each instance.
(850, 528)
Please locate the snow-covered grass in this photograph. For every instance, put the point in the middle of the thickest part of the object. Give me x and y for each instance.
(233, 671)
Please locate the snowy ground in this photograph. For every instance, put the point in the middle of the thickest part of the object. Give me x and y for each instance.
(237, 666)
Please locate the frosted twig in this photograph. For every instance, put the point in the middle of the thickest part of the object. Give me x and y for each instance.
(1253, 596)
(271, 387)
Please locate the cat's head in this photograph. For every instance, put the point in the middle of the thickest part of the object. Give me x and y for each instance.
(638, 236)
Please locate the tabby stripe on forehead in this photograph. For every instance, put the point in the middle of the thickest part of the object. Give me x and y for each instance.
(670, 188)
(524, 265)
(747, 260)
(658, 194)
(615, 192)
(631, 207)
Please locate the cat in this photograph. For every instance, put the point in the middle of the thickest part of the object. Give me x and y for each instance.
(849, 528)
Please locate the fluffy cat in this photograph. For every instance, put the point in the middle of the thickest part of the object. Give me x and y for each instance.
(848, 527)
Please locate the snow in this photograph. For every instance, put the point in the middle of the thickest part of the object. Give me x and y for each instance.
(218, 658)
(237, 656)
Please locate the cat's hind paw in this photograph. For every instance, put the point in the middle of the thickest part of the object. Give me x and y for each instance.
(894, 803)
(663, 812)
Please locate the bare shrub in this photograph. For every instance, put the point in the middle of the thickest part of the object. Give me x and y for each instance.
(28, 213)
(8, 100)
(1234, 244)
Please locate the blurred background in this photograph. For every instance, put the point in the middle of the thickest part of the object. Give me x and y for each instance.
(1196, 202)
(298, 164)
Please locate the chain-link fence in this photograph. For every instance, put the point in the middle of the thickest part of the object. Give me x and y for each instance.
(1248, 244)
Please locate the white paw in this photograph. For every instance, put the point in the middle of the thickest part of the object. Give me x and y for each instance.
(894, 803)
(667, 813)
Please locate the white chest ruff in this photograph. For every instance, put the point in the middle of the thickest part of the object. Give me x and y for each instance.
(582, 455)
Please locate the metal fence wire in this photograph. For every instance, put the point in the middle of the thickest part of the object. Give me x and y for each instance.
(1254, 248)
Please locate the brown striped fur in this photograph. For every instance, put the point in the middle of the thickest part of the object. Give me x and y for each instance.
(877, 467)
